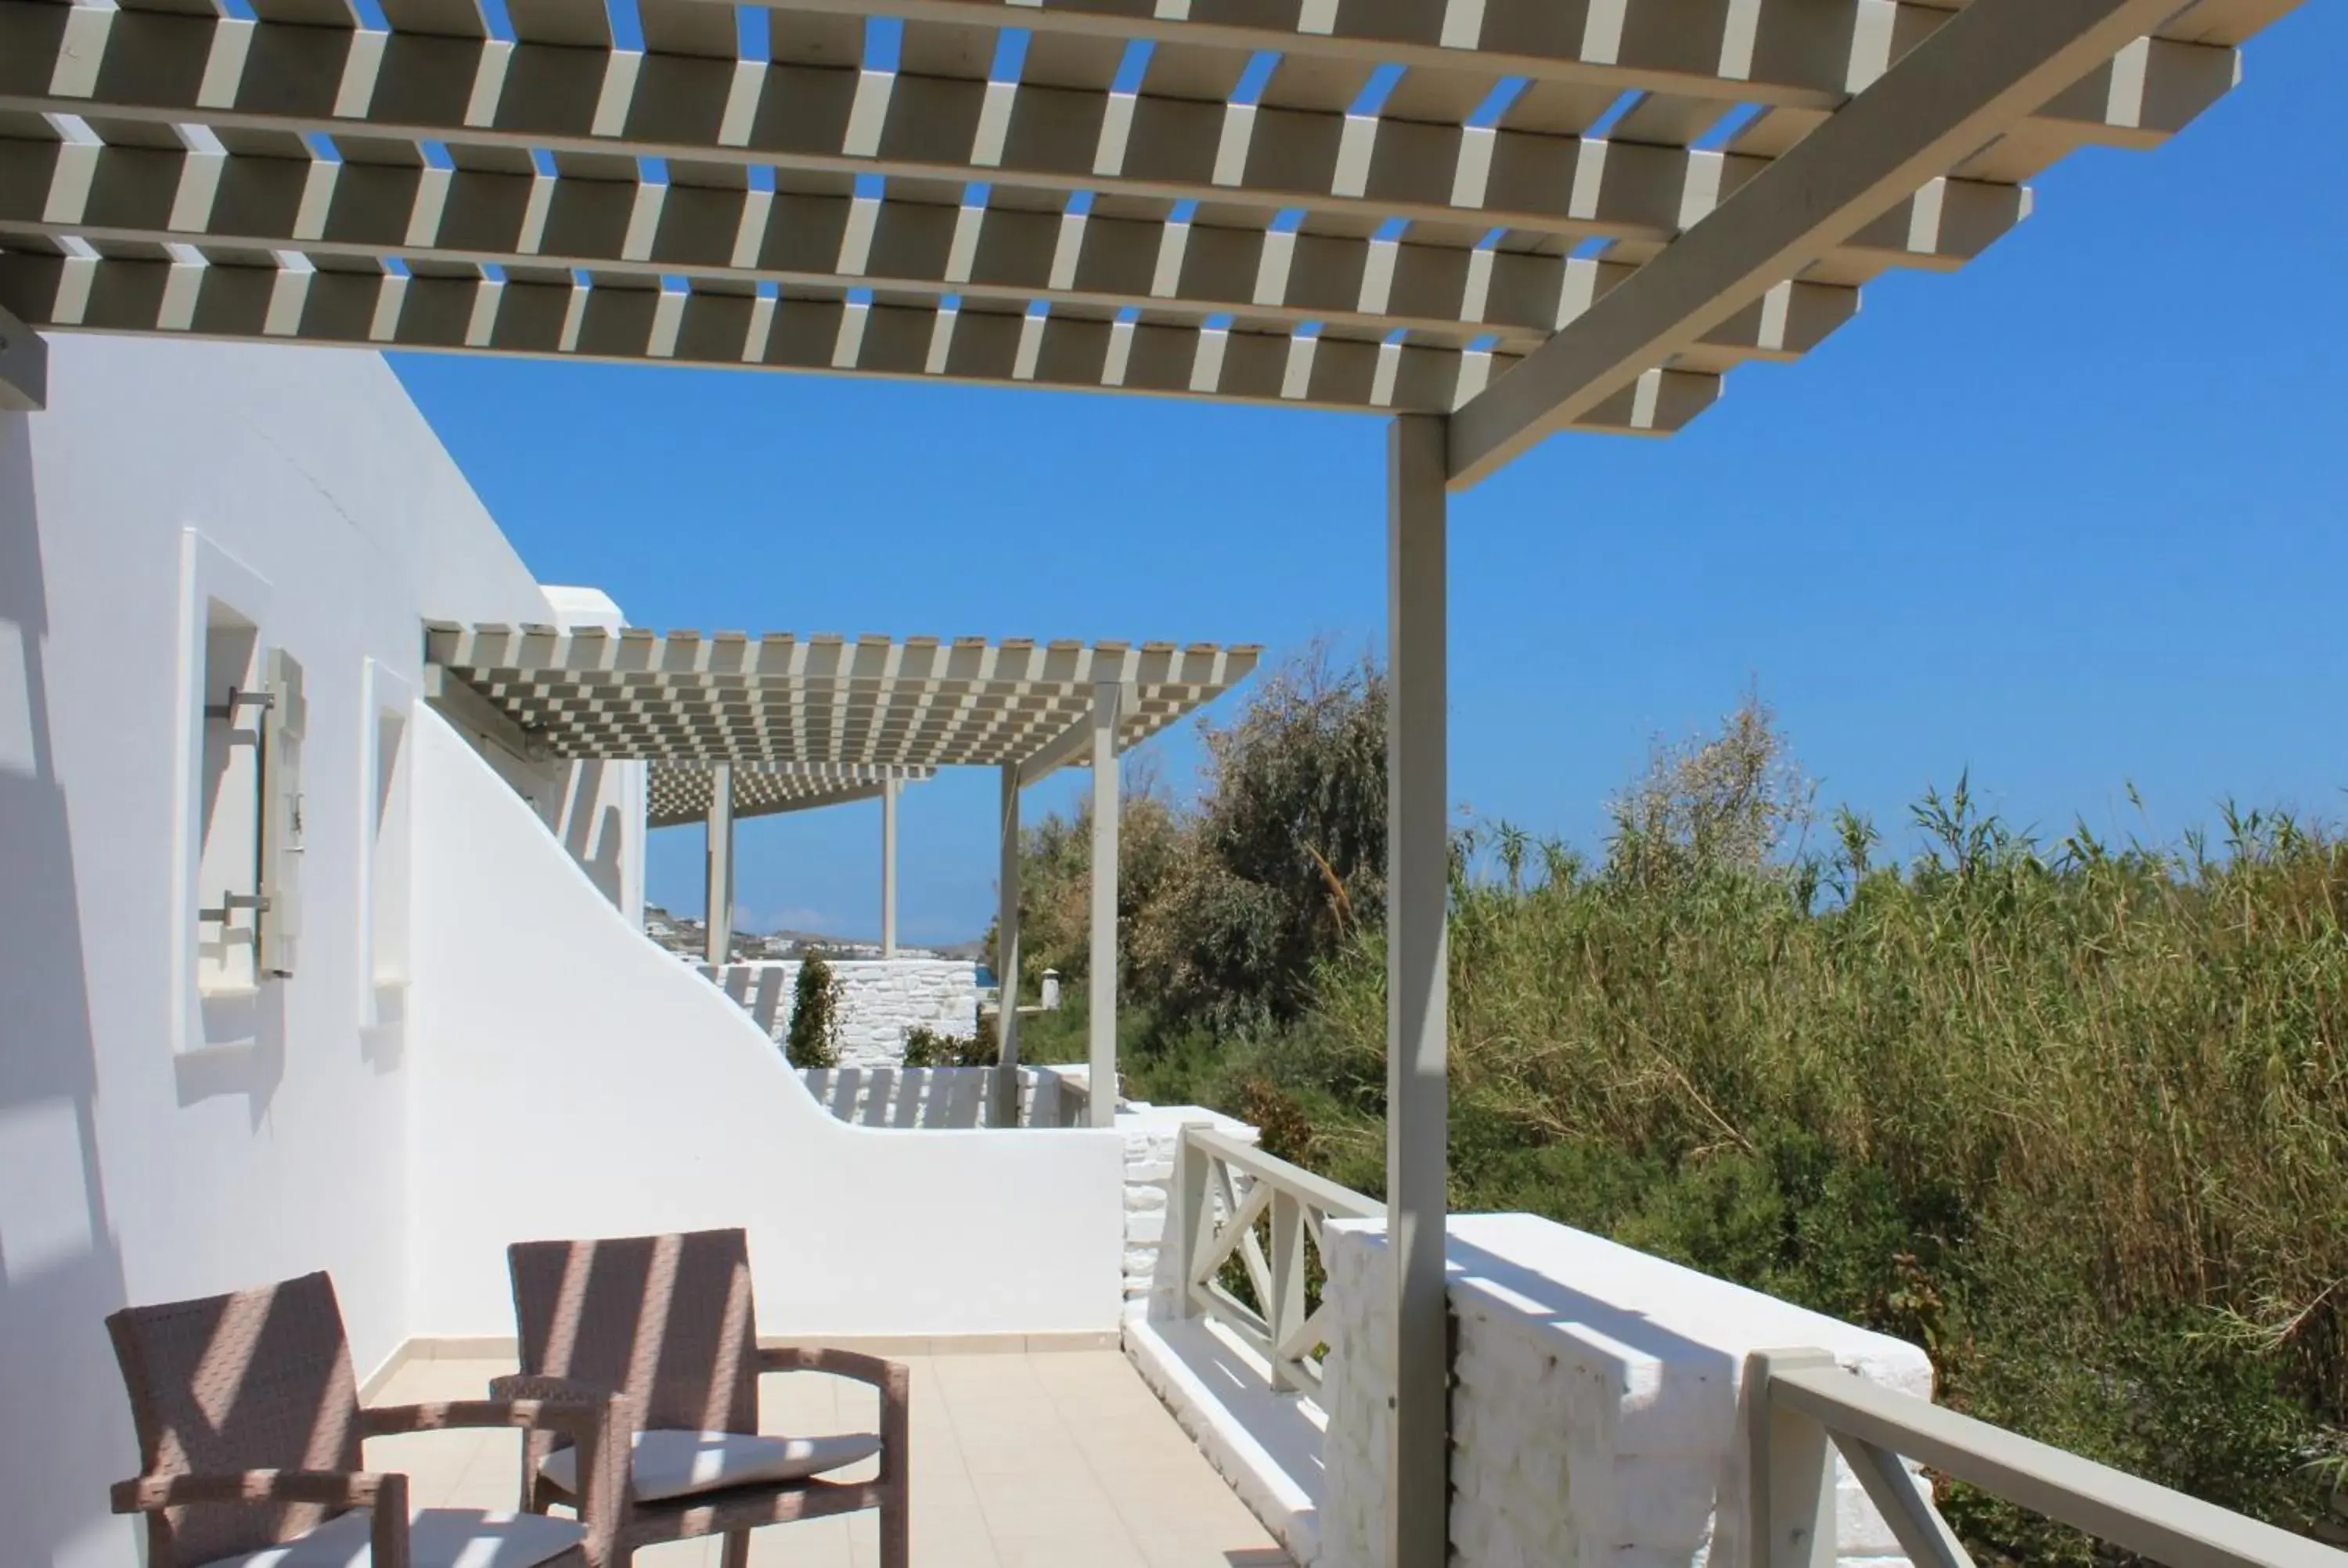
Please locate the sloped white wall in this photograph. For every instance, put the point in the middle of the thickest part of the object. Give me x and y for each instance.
(576, 1080)
(131, 1171)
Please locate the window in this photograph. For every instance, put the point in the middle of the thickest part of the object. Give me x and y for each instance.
(237, 840)
(228, 861)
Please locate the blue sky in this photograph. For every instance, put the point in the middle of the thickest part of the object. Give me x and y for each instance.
(2070, 519)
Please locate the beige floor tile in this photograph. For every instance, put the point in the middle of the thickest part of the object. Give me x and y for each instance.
(811, 1543)
(1224, 1518)
(942, 1538)
(943, 1490)
(1186, 1479)
(680, 1555)
(993, 1446)
(1040, 1495)
(999, 1419)
(985, 1460)
(1047, 1548)
(933, 1433)
(980, 1375)
(1169, 1453)
(1189, 1551)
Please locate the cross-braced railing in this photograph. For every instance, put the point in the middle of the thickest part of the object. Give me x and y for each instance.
(1800, 1407)
(1239, 1204)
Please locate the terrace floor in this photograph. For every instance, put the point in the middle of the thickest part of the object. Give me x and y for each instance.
(1052, 1459)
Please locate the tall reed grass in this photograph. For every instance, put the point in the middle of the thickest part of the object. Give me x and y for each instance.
(2074, 1117)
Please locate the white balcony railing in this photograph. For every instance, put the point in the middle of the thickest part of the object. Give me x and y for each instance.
(1799, 1402)
(1233, 1200)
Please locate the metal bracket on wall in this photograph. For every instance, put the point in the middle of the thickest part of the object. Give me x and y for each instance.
(238, 698)
(230, 903)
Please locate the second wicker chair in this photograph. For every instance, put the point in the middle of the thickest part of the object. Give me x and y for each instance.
(667, 1323)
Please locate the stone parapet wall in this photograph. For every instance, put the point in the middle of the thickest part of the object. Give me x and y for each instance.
(1153, 1136)
(1595, 1404)
(881, 999)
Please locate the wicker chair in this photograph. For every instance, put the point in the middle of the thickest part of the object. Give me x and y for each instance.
(667, 1323)
(250, 1429)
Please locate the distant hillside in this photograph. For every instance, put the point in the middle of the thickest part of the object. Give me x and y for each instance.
(683, 934)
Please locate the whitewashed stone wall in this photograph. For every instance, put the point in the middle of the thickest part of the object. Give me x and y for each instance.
(1594, 1416)
(881, 1000)
(1153, 1135)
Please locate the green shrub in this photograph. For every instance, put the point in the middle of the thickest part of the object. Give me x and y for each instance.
(813, 1037)
(925, 1047)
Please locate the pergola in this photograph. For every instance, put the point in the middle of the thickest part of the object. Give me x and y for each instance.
(1492, 219)
(719, 794)
(737, 725)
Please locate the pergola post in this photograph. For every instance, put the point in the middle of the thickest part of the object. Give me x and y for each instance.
(1007, 952)
(1101, 1099)
(889, 869)
(1418, 876)
(720, 913)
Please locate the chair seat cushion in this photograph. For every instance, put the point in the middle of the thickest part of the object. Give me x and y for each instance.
(678, 1464)
(436, 1538)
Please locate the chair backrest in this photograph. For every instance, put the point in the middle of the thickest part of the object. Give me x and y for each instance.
(256, 1379)
(666, 1321)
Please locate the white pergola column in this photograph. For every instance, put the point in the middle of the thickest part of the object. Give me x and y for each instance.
(720, 913)
(1108, 701)
(1418, 876)
(889, 869)
(1006, 924)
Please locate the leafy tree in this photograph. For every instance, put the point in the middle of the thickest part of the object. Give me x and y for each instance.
(1729, 801)
(1286, 854)
(1055, 877)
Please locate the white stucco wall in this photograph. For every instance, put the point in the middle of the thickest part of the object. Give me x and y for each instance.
(880, 999)
(148, 1151)
(1594, 1411)
(583, 1082)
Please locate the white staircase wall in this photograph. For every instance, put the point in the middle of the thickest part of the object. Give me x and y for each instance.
(576, 1080)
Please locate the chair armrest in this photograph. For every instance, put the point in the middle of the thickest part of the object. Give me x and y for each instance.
(885, 1376)
(893, 1378)
(595, 1420)
(538, 1386)
(383, 1493)
(331, 1488)
(580, 1418)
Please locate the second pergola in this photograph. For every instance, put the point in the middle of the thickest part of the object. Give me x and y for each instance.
(735, 725)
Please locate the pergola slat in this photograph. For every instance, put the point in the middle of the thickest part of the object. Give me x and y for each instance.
(143, 196)
(748, 331)
(1795, 53)
(676, 794)
(260, 76)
